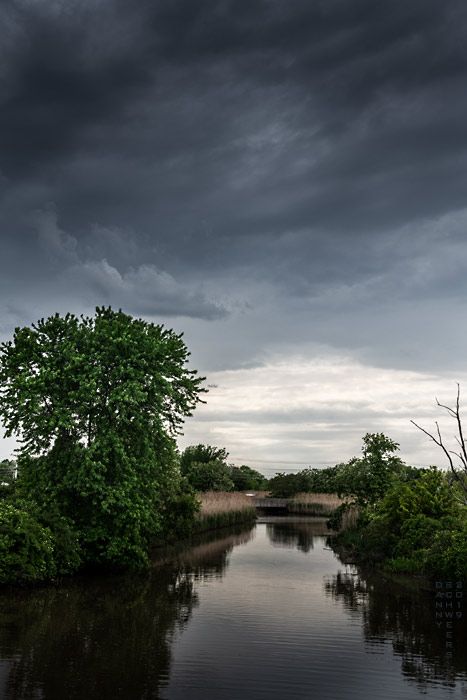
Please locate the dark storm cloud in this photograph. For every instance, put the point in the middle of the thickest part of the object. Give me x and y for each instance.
(196, 68)
(292, 141)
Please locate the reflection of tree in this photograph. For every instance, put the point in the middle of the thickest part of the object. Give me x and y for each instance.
(98, 638)
(104, 637)
(296, 533)
(404, 614)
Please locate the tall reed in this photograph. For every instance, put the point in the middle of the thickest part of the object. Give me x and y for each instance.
(314, 503)
(222, 508)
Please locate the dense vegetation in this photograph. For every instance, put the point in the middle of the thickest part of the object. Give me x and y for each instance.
(96, 403)
(417, 527)
(206, 469)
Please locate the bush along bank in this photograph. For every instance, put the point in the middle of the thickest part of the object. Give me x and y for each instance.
(418, 527)
(38, 545)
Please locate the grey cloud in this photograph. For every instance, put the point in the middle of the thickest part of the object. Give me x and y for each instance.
(143, 291)
(221, 144)
(325, 416)
(57, 245)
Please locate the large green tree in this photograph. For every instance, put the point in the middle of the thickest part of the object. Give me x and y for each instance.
(96, 403)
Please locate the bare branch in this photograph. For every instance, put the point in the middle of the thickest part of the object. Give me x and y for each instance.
(459, 427)
(448, 408)
(459, 455)
(440, 443)
(427, 433)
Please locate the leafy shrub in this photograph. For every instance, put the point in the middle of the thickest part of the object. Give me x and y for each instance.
(448, 553)
(34, 545)
(428, 495)
(179, 515)
(26, 546)
(408, 565)
(416, 533)
(378, 540)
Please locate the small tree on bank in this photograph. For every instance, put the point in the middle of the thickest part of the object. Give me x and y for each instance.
(96, 403)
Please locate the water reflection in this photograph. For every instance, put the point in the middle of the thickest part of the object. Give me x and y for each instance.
(294, 532)
(105, 637)
(403, 613)
(209, 557)
(232, 617)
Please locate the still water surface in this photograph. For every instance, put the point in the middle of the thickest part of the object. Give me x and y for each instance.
(267, 612)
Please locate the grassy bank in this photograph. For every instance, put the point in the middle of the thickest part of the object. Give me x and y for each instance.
(222, 508)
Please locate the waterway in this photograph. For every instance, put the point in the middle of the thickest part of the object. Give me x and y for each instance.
(268, 611)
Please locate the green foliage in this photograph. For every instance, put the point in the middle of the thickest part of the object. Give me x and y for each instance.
(205, 468)
(96, 403)
(26, 547)
(179, 515)
(334, 522)
(288, 485)
(429, 496)
(247, 479)
(448, 553)
(210, 476)
(7, 478)
(369, 477)
(34, 545)
(416, 533)
(416, 528)
(201, 454)
(378, 539)
(414, 564)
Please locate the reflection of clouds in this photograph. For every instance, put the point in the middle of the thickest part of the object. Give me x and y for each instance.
(404, 614)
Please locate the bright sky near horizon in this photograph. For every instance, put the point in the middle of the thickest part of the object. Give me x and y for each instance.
(286, 183)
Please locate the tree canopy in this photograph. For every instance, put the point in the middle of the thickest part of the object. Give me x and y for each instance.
(205, 468)
(96, 403)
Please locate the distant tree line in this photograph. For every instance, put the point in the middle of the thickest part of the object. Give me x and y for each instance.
(364, 478)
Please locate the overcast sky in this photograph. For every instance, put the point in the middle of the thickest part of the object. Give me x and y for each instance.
(285, 182)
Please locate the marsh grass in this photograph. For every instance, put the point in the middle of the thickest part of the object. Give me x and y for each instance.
(222, 508)
(314, 504)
